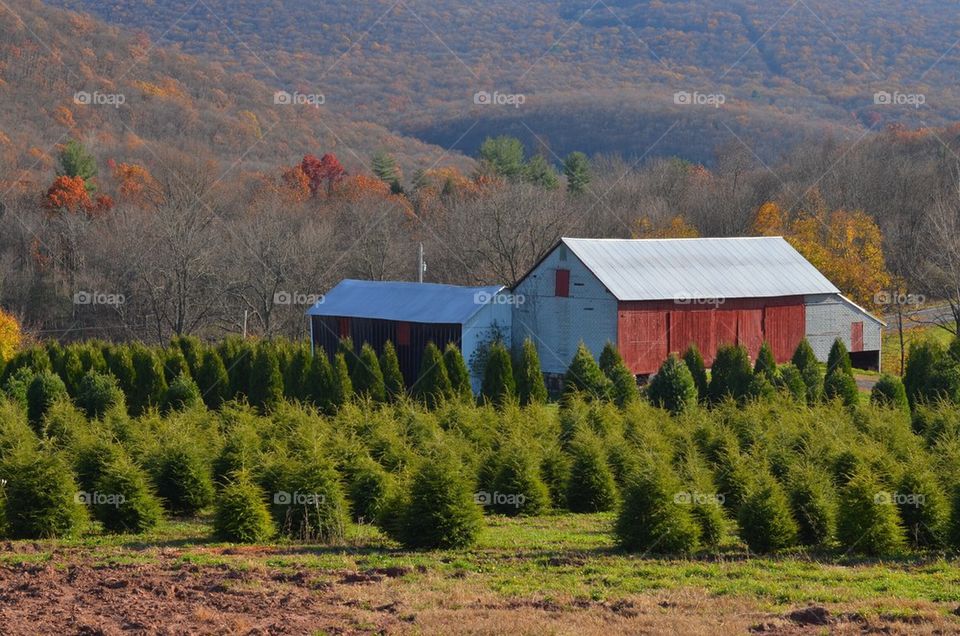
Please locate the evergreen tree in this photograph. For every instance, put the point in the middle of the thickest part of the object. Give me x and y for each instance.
(591, 484)
(503, 156)
(530, 384)
(237, 356)
(841, 385)
(150, 385)
(319, 389)
(539, 172)
(499, 386)
(295, 373)
(385, 168)
(653, 518)
(890, 392)
(673, 388)
(869, 522)
(192, 350)
(367, 377)
(174, 364)
(924, 508)
(766, 523)
(183, 393)
(43, 391)
(98, 393)
(392, 376)
(805, 360)
(576, 167)
(433, 383)
(457, 372)
(341, 386)
(76, 161)
(766, 364)
(120, 365)
(609, 358)
(585, 377)
(731, 374)
(698, 371)
(346, 347)
(839, 358)
(441, 513)
(266, 382)
(212, 380)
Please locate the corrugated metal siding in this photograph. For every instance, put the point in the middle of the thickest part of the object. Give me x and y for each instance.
(750, 330)
(830, 317)
(642, 338)
(492, 321)
(556, 325)
(724, 268)
(687, 327)
(784, 328)
(326, 338)
(647, 328)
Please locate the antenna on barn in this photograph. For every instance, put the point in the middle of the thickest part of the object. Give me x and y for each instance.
(421, 265)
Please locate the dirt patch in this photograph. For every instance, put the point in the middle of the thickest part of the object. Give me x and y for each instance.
(73, 594)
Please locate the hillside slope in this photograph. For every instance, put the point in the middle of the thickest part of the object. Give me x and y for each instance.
(64, 75)
(608, 70)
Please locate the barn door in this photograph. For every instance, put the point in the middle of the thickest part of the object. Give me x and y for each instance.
(856, 337)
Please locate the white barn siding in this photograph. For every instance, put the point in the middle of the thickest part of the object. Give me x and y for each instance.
(557, 325)
(831, 316)
(481, 328)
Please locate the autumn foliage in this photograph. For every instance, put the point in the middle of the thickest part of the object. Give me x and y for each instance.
(10, 336)
(323, 173)
(847, 247)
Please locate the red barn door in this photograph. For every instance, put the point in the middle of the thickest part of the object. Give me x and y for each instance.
(784, 328)
(642, 339)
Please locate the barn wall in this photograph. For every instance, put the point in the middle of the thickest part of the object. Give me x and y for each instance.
(492, 321)
(556, 325)
(832, 316)
(649, 331)
(326, 337)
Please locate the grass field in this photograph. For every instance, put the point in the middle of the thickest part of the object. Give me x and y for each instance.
(890, 354)
(553, 574)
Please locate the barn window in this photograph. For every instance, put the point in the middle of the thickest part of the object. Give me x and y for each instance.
(403, 334)
(344, 327)
(563, 283)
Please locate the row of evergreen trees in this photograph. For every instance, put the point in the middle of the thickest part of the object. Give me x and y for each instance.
(770, 474)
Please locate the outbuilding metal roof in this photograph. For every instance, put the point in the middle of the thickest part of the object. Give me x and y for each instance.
(702, 268)
(408, 302)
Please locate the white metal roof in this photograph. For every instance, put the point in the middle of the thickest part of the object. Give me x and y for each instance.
(671, 269)
(408, 302)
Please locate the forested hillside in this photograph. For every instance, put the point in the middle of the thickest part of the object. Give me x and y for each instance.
(597, 77)
(144, 100)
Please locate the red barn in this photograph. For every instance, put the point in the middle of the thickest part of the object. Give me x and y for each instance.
(656, 297)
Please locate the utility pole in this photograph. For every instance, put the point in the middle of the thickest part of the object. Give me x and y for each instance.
(244, 324)
(421, 266)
